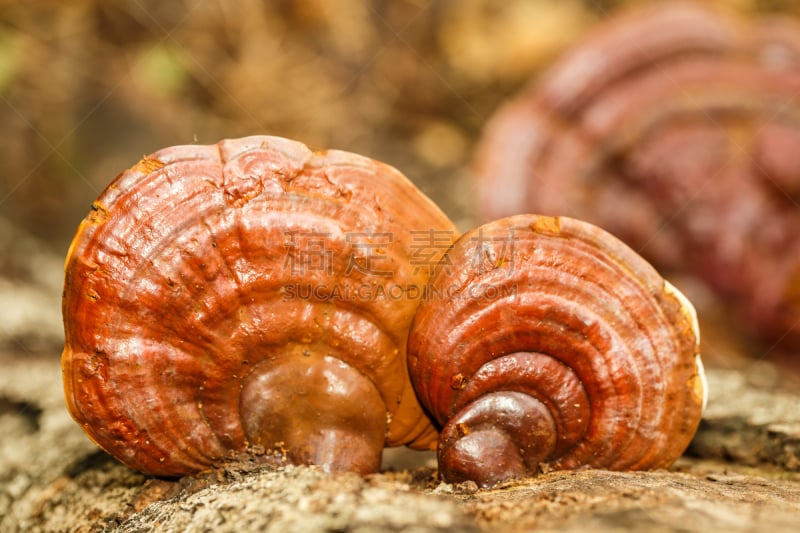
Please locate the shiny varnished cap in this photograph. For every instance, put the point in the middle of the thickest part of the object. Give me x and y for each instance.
(547, 343)
(251, 294)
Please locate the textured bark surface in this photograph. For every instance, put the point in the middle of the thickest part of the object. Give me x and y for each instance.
(53, 479)
(750, 426)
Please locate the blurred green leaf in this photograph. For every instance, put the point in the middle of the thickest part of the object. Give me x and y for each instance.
(8, 60)
(160, 69)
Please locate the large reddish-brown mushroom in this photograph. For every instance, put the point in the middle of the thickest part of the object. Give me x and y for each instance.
(251, 295)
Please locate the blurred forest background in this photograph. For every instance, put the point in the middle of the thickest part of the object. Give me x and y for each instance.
(88, 87)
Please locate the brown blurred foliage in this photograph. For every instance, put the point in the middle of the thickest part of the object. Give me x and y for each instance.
(87, 87)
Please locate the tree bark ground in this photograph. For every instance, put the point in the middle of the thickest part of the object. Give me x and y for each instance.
(741, 473)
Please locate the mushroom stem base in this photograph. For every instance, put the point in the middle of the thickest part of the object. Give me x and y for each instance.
(317, 410)
(500, 436)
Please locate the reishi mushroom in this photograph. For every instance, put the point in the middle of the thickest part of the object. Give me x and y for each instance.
(547, 343)
(249, 295)
(677, 129)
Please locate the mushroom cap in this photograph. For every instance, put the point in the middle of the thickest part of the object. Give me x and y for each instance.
(548, 340)
(204, 275)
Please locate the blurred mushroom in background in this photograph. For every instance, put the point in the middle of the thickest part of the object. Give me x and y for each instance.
(676, 127)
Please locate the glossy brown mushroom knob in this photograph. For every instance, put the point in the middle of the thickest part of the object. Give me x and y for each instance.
(546, 343)
(676, 129)
(247, 295)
